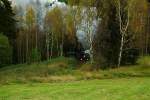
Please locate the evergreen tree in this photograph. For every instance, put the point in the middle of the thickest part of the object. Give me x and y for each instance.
(7, 21)
(5, 51)
(8, 24)
(107, 39)
(66, 1)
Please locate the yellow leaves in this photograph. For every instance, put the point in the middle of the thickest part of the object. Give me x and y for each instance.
(30, 16)
(140, 5)
(82, 2)
(138, 15)
(54, 21)
(70, 27)
(87, 2)
(73, 2)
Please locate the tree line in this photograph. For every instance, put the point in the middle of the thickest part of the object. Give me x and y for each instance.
(116, 31)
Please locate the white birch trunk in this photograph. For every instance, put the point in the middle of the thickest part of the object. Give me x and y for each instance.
(123, 30)
(121, 50)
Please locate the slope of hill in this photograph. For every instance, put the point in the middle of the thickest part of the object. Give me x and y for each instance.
(65, 69)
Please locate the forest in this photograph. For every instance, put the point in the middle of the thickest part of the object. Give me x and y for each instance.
(114, 33)
(86, 41)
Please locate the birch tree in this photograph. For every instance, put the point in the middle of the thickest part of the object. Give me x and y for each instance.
(30, 22)
(88, 13)
(139, 25)
(47, 30)
(124, 21)
(55, 27)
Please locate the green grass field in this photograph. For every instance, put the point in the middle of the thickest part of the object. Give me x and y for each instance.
(107, 89)
(65, 79)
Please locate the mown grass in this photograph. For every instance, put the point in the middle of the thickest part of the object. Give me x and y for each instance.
(65, 69)
(107, 89)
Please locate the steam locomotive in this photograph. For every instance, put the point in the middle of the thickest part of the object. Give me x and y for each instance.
(82, 56)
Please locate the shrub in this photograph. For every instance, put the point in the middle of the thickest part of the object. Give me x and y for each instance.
(144, 61)
(72, 62)
(5, 51)
(130, 56)
(89, 67)
(35, 55)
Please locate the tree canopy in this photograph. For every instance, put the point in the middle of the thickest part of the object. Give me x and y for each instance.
(7, 21)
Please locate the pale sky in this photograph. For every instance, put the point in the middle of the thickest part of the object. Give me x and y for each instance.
(24, 2)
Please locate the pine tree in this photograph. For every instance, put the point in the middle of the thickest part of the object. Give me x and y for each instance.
(7, 21)
(8, 24)
(107, 39)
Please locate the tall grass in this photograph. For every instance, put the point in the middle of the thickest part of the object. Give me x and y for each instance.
(144, 61)
(66, 69)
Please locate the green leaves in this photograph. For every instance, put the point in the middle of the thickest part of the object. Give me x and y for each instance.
(66, 1)
(5, 51)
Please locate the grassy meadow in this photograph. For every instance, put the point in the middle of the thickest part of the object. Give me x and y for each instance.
(65, 70)
(106, 89)
(66, 79)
